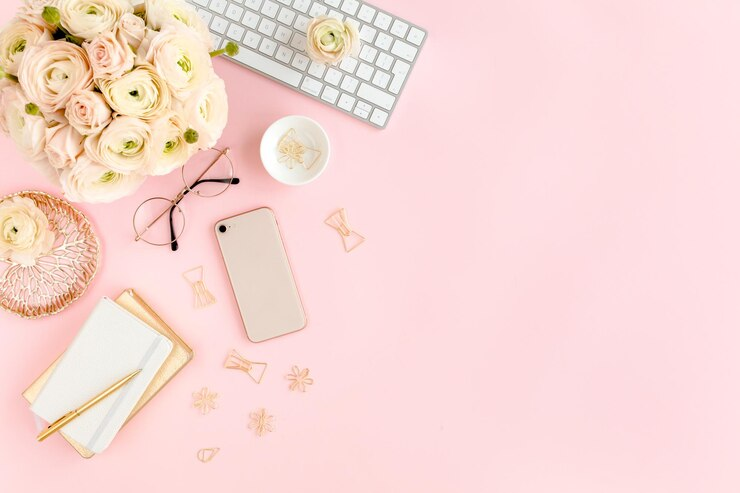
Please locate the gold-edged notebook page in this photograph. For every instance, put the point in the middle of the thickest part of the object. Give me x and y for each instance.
(179, 357)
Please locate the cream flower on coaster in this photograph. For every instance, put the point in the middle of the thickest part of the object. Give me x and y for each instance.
(329, 40)
(205, 400)
(299, 379)
(88, 181)
(88, 18)
(14, 39)
(261, 422)
(24, 231)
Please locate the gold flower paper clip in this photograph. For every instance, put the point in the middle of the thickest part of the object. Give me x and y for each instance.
(261, 422)
(299, 379)
(351, 239)
(235, 361)
(207, 454)
(203, 297)
(292, 151)
(205, 400)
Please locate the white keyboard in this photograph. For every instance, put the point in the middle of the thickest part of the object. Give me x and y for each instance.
(271, 35)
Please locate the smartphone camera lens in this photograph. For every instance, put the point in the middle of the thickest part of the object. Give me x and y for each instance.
(222, 228)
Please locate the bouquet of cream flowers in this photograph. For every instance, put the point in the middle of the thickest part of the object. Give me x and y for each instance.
(100, 94)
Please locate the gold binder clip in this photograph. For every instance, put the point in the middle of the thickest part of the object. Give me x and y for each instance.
(351, 239)
(236, 361)
(203, 297)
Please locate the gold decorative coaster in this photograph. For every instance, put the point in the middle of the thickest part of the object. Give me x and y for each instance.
(350, 239)
(203, 297)
(204, 400)
(261, 422)
(299, 379)
(207, 454)
(235, 361)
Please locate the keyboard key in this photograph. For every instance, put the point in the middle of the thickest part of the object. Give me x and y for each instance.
(285, 2)
(286, 16)
(401, 68)
(365, 71)
(384, 41)
(283, 34)
(235, 32)
(300, 62)
(234, 12)
(301, 5)
(346, 102)
(368, 53)
(336, 15)
(366, 13)
(267, 27)
(298, 42)
(269, 67)
(330, 94)
(253, 4)
(349, 64)
(404, 50)
(333, 3)
(349, 84)
(416, 36)
(333, 76)
(301, 24)
(205, 16)
(316, 69)
(383, 21)
(354, 22)
(397, 83)
(215, 40)
(270, 9)
(202, 3)
(399, 28)
(251, 20)
(376, 96)
(350, 6)
(317, 9)
(219, 25)
(268, 47)
(284, 54)
(252, 39)
(384, 61)
(379, 117)
(362, 109)
(218, 6)
(312, 86)
(381, 79)
(367, 34)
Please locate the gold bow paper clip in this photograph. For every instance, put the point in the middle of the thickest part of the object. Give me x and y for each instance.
(236, 361)
(351, 239)
(203, 297)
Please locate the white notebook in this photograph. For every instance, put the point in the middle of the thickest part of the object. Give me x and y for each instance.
(110, 345)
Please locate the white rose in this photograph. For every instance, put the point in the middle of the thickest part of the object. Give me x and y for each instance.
(141, 93)
(169, 148)
(88, 112)
(110, 55)
(132, 28)
(51, 71)
(159, 13)
(88, 18)
(63, 146)
(206, 111)
(329, 40)
(31, 11)
(124, 146)
(15, 39)
(27, 131)
(88, 181)
(24, 231)
(181, 60)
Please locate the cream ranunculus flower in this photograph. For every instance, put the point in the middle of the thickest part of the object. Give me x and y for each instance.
(63, 146)
(15, 39)
(180, 59)
(51, 71)
(141, 93)
(88, 18)
(27, 131)
(24, 231)
(88, 112)
(124, 146)
(206, 111)
(162, 12)
(169, 148)
(329, 40)
(131, 28)
(88, 181)
(31, 11)
(110, 55)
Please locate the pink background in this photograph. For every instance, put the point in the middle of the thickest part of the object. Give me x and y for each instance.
(547, 300)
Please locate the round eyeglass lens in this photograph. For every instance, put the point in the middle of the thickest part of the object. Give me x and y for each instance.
(158, 221)
(208, 173)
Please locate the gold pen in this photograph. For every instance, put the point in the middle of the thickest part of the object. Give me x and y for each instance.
(64, 420)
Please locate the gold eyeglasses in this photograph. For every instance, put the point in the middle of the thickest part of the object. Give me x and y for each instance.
(210, 171)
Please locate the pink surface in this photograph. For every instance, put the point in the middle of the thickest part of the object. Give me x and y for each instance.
(547, 300)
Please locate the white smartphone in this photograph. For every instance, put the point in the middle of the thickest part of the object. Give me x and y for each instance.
(260, 274)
